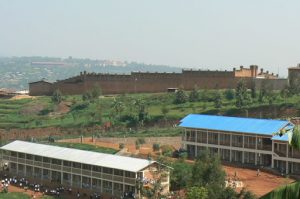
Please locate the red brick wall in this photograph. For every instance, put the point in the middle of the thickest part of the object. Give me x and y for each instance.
(148, 82)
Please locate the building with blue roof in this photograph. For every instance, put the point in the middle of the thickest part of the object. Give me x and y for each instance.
(248, 141)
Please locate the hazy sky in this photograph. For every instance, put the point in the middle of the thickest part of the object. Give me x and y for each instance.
(211, 34)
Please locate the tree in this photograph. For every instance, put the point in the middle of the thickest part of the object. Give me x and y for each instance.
(180, 97)
(253, 90)
(118, 106)
(154, 191)
(96, 92)
(295, 142)
(229, 94)
(164, 110)
(207, 172)
(241, 94)
(57, 96)
(181, 174)
(194, 95)
(284, 93)
(197, 193)
(218, 100)
(156, 147)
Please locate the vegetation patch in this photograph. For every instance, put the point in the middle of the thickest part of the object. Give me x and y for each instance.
(86, 147)
(14, 196)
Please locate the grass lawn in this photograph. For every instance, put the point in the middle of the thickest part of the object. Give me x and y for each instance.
(288, 191)
(86, 147)
(14, 196)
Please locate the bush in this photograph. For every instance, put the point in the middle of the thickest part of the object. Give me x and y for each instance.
(180, 97)
(229, 94)
(141, 141)
(121, 145)
(167, 150)
(156, 147)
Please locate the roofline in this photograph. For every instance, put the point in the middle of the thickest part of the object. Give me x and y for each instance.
(73, 160)
(227, 131)
(41, 81)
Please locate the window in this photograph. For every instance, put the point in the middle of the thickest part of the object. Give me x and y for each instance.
(107, 184)
(129, 174)
(86, 167)
(38, 158)
(56, 161)
(97, 169)
(47, 160)
(29, 157)
(21, 155)
(118, 172)
(107, 170)
(76, 165)
(67, 164)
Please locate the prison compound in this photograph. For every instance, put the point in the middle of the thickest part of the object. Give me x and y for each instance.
(145, 82)
(247, 141)
(111, 175)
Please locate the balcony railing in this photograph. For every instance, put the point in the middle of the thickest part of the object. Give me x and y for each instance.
(118, 178)
(67, 169)
(96, 174)
(129, 180)
(265, 147)
(85, 172)
(190, 139)
(249, 146)
(55, 167)
(201, 140)
(280, 153)
(106, 176)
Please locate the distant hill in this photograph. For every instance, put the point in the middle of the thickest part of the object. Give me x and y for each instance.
(17, 72)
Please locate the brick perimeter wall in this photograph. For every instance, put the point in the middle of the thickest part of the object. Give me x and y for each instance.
(150, 82)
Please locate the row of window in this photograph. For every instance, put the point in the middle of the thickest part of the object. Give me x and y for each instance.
(71, 164)
(77, 180)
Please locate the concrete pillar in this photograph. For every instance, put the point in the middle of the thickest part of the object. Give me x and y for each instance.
(206, 136)
(243, 152)
(286, 167)
(287, 150)
(272, 160)
(243, 157)
(218, 143)
(230, 153)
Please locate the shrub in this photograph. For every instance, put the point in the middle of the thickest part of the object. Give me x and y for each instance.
(121, 145)
(141, 141)
(57, 96)
(156, 147)
(167, 150)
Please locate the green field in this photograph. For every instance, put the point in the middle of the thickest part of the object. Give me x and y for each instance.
(86, 147)
(287, 191)
(14, 196)
(131, 110)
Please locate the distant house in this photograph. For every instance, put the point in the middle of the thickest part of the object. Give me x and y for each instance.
(246, 141)
(41, 87)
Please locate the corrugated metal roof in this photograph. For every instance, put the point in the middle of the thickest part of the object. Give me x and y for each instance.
(233, 124)
(80, 156)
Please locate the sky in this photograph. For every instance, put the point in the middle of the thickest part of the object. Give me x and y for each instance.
(212, 34)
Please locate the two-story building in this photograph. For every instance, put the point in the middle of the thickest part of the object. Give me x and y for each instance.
(249, 141)
(112, 175)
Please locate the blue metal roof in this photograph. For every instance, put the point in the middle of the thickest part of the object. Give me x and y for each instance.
(287, 137)
(234, 124)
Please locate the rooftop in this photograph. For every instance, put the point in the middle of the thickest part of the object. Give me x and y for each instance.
(234, 124)
(80, 156)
